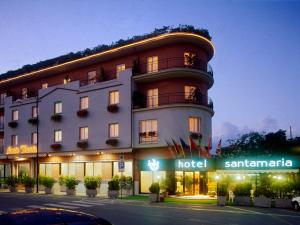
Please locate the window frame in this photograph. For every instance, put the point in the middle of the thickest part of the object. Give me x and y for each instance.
(34, 111)
(55, 103)
(34, 140)
(199, 124)
(114, 130)
(120, 68)
(87, 134)
(113, 97)
(13, 115)
(81, 103)
(14, 138)
(148, 139)
(152, 65)
(152, 100)
(54, 138)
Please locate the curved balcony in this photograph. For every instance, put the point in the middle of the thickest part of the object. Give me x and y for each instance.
(171, 68)
(140, 101)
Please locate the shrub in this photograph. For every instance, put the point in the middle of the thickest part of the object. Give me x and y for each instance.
(126, 182)
(11, 181)
(243, 189)
(222, 189)
(154, 188)
(114, 185)
(48, 182)
(28, 181)
(71, 182)
(112, 141)
(62, 180)
(92, 182)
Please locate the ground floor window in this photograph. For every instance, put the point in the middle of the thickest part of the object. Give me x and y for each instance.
(127, 170)
(50, 169)
(23, 169)
(149, 177)
(5, 171)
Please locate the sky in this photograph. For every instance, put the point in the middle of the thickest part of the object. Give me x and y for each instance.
(256, 63)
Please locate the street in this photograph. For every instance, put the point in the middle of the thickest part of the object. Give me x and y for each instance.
(125, 212)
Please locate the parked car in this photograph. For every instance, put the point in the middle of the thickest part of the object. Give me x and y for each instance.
(50, 217)
(296, 203)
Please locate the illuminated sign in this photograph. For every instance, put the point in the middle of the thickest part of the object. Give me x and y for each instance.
(246, 163)
(23, 149)
(191, 164)
(153, 164)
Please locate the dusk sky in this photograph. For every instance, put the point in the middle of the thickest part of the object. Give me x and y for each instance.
(256, 63)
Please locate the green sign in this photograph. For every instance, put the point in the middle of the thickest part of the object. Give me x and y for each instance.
(194, 164)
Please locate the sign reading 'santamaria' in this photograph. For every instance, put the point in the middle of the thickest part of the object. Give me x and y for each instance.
(263, 163)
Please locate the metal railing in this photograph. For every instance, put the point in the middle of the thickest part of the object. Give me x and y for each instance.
(173, 98)
(142, 67)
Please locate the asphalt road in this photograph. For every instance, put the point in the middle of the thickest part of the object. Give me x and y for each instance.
(124, 212)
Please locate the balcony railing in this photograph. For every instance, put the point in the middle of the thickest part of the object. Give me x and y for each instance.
(22, 97)
(142, 67)
(172, 98)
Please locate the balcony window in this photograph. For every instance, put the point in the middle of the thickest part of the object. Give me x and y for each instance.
(148, 131)
(83, 133)
(2, 97)
(190, 58)
(24, 93)
(57, 107)
(113, 130)
(84, 103)
(120, 68)
(44, 85)
(152, 64)
(67, 79)
(189, 92)
(34, 138)
(14, 140)
(57, 136)
(194, 124)
(152, 97)
(34, 111)
(92, 77)
(15, 115)
(114, 97)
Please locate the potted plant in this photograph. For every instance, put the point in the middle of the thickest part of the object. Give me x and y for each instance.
(56, 146)
(126, 184)
(71, 183)
(152, 133)
(33, 120)
(283, 190)
(263, 192)
(13, 124)
(91, 184)
(112, 141)
(113, 108)
(48, 183)
(242, 194)
(222, 193)
(56, 117)
(62, 183)
(143, 134)
(82, 144)
(28, 183)
(82, 112)
(113, 187)
(154, 192)
(12, 183)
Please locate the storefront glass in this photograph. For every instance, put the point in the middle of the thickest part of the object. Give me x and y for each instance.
(127, 171)
(23, 169)
(149, 177)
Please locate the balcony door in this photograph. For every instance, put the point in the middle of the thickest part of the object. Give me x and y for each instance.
(152, 97)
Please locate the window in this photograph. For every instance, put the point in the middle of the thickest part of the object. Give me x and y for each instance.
(149, 177)
(152, 64)
(57, 136)
(24, 93)
(44, 85)
(50, 169)
(127, 170)
(152, 97)
(67, 79)
(15, 115)
(120, 68)
(1, 122)
(57, 107)
(148, 131)
(2, 97)
(194, 124)
(103, 169)
(92, 77)
(34, 111)
(14, 140)
(190, 58)
(113, 97)
(189, 92)
(34, 138)
(23, 169)
(83, 133)
(84, 103)
(113, 130)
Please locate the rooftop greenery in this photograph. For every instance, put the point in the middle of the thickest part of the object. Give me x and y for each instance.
(100, 48)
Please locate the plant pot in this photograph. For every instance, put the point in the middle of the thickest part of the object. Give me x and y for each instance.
(112, 141)
(153, 198)
(82, 144)
(56, 146)
(82, 113)
(29, 190)
(283, 203)
(113, 108)
(63, 188)
(13, 124)
(56, 117)
(113, 193)
(33, 121)
(242, 200)
(70, 191)
(91, 192)
(12, 189)
(48, 190)
(262, 202)
(221, 200)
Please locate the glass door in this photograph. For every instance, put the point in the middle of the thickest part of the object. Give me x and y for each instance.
(189, 183)
(197, 183)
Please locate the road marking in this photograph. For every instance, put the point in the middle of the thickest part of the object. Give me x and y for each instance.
(245, 210)
(61, 206)
(90, 203)
(75, 204)
(2, 212)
